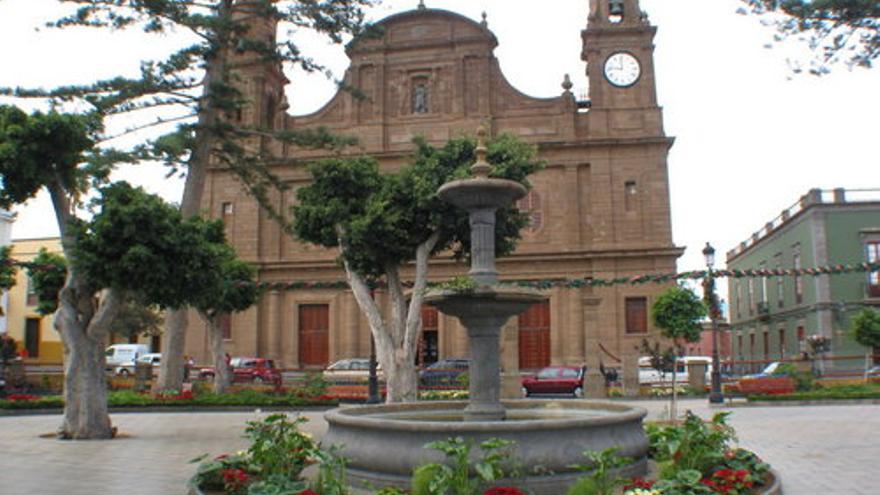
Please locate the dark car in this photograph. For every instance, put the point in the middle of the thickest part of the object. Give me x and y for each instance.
(249, 370)
(444, 373)
(555, 380)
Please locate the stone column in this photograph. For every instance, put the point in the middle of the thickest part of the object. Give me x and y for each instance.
(630, 363)
(511, 386)
(594, 382)
(483, 246)
(485, 383)
(273, 326)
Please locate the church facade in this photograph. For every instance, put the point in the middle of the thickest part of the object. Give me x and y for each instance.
(599, 209)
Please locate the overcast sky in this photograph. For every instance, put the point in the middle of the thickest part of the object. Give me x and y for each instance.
(749, 138)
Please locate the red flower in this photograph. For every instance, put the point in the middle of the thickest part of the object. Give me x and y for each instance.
(234, 479)
(503, 490)
(639, 483)
(21, 397)
(307, 492)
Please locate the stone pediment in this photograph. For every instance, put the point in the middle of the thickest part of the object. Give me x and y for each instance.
(415, 29)
(432, 73)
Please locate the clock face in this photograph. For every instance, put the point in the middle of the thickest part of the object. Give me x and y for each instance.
(622, 69)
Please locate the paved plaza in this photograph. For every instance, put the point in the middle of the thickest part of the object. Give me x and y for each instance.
(818, 450)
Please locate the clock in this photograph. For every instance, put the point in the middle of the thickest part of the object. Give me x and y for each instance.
(622, 69)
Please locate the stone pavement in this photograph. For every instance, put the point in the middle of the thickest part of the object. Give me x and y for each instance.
(818, 449)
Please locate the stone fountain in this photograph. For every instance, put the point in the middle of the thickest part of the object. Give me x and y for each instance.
(384, 443)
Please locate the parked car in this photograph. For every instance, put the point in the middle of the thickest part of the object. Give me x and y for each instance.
(248, 370)
(154, 359)
(874, 374)
(120, 354)
(555, 380)
(351, 369)
(444, 373)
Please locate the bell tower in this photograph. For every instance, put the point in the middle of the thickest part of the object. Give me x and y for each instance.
(618, 46)
(261, 80)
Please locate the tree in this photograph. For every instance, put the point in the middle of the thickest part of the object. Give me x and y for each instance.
(235, 292)
(135, 246)
(380, 223)
(47, 271)
(677, 313)
(136, 319)
(866, 331)
(838, 30)
(199, 89)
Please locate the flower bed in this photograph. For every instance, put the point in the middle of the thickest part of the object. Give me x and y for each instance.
(123, 399)
(835, 392)
(695, 458)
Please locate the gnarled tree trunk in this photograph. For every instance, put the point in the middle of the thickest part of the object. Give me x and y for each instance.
(222, 370)
(84, 324)
(397, 338)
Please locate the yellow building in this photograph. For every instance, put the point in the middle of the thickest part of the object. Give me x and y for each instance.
(31, 331)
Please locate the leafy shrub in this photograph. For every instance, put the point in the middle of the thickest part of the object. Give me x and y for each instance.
(456, 478)
(603, 478)
(693, 446)
(804, 380)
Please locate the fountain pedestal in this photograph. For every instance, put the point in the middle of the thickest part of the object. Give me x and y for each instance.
(483, 313)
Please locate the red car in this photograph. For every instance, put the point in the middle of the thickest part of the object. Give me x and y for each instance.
(555, 380)
(249, 370)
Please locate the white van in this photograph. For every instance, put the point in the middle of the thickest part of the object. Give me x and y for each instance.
(119, 354)
(650, 376)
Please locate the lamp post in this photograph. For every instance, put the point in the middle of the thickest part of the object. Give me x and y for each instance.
(715, 395)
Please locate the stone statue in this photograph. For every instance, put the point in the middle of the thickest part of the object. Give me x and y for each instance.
(420, 99)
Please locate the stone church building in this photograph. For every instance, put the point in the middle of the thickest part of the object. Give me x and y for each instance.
(599, 209)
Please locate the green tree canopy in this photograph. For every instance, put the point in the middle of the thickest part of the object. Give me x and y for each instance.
(866, 328)
(7, 269)
(136, 318)
(677, 313)
(41, 148)
(845, 31)
(383, 217)
(47, 272)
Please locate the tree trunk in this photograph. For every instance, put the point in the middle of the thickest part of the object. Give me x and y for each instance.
(171, 368)
(402, 381)
(397, 338)
(222, 371)
(84, 326)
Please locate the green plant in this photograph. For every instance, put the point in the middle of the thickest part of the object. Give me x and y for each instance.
(603, 478)
(210, 473)
(461, 284)
(331, 478)
(695, 445)
(315, 385)
(804, 380)
(684, 482)
(455, 478)
(745, 460)
(278, 448)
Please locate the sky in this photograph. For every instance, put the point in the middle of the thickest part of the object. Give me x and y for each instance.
(750, 137)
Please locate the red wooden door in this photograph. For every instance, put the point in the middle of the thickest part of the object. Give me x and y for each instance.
(314, 330)
(534, 337)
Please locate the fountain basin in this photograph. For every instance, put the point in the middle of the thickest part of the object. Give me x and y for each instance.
(385, 443)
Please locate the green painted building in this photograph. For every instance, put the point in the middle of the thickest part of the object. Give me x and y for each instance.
(772, 316)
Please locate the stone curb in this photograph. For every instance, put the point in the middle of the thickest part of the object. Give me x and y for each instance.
(170, 409)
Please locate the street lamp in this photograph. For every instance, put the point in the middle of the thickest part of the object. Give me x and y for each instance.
(715, 395)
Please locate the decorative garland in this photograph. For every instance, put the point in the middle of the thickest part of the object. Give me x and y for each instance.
(579, 282)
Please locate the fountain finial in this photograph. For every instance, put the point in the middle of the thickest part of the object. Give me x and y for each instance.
(481, 167)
